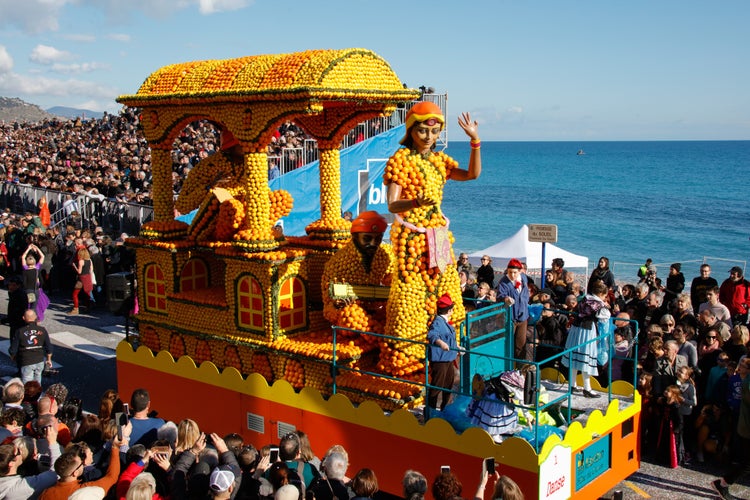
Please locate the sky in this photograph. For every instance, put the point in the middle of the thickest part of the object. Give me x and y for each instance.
(543, 70)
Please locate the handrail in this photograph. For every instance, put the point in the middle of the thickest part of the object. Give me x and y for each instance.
(465, 349)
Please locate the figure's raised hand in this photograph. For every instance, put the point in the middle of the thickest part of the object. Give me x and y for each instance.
(470, 127)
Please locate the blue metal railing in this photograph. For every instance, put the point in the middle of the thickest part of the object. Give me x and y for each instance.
(505, 361)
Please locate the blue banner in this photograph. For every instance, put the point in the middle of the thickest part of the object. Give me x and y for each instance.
(362, 167)
(362, 188)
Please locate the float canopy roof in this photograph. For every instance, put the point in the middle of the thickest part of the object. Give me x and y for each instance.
(320, 75)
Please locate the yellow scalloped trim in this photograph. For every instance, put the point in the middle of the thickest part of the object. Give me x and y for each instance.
(474, 442)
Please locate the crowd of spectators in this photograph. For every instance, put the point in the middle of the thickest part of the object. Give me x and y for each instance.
(60, 253)
(109, 158)
(51, 449)
(691, 349)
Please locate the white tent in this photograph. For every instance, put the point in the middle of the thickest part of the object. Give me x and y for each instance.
(518, 246)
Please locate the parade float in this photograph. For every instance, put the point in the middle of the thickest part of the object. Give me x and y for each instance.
(231, 321)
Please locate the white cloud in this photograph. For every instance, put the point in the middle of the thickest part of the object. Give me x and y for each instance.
(44, 54)
(40, 16)
(79, 68)
(517, 110)
(15, 84)
(119, 37)
(32, 16)
(213, 6)
(79, 37)
(6, 61)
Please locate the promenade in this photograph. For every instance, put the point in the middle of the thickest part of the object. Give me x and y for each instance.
(85, 356)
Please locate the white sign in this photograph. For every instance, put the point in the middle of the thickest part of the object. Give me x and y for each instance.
(543, 233)
(555, 477)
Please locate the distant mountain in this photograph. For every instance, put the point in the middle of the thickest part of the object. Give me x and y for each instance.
(66, 112)
(13, 109)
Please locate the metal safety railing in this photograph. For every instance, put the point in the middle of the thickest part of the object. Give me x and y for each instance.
(501, 362)
(115, 217)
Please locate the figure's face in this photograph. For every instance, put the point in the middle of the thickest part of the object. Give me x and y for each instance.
(602, 263)
(513, 274)
(682, 304)
(705, 272)
(424, 136)
(367, 243)
(712, 297)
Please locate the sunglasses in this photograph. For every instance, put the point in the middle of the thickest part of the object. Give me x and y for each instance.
(711, 337)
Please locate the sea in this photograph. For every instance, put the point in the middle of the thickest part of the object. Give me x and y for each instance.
(670, 201)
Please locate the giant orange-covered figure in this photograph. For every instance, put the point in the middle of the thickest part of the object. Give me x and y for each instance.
(415, 176)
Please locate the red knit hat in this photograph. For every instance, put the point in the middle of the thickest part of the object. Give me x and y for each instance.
(369, 222)
(515, 264)
(444, 302)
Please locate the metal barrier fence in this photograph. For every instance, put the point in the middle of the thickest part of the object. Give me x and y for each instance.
(115, 217)
(552, 406)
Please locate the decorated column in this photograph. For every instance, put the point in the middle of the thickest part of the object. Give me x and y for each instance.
(161, 174)
(258, 221)
(330, 225)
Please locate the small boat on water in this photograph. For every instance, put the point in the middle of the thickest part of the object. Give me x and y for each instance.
(580, 152)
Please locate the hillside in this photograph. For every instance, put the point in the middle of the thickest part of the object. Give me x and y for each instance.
(72, 113)
(13, 109)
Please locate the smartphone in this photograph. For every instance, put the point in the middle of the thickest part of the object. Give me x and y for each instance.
(126, 409)
(489, 465)
(445, 469)
(274, 457)
(122, 421)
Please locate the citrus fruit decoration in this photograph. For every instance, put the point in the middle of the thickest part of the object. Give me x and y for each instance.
(416, 286)
(211, 171)
(346, 265)
(231, 217)
(230, 290)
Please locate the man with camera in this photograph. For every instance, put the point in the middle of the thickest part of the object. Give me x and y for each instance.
(14, 486)
(70, 468)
